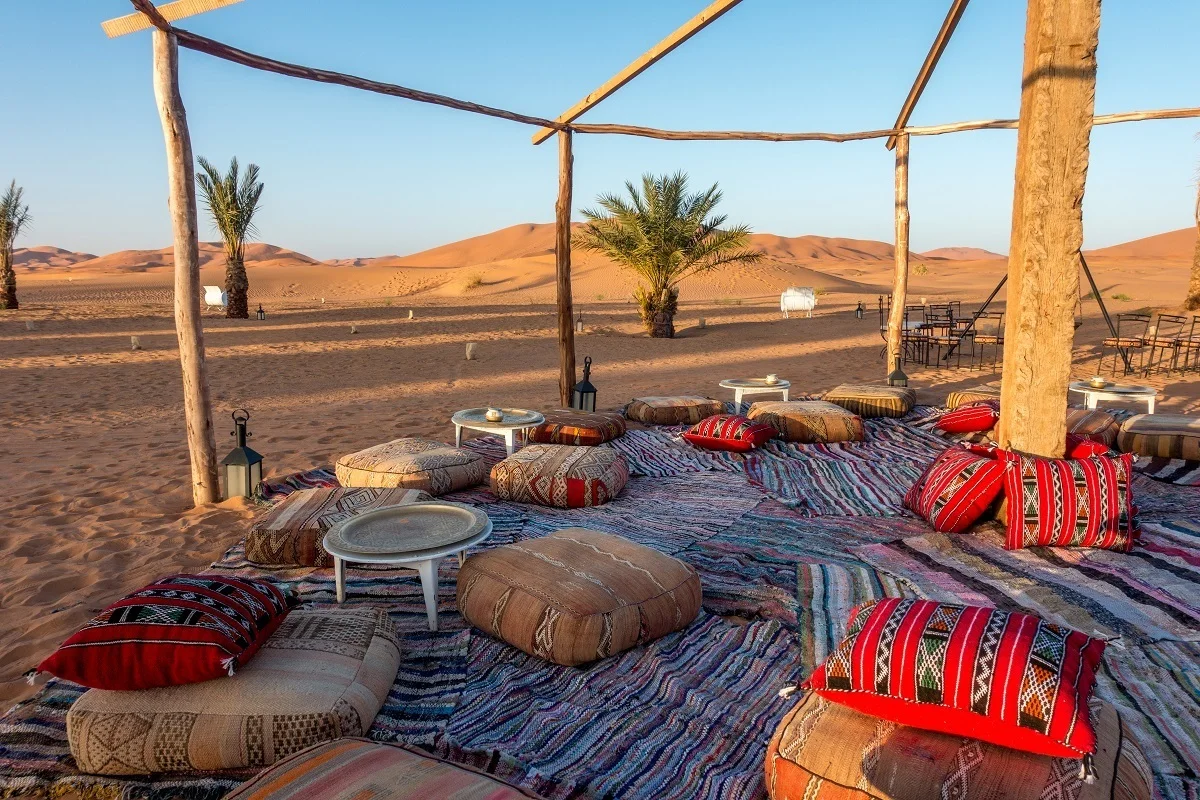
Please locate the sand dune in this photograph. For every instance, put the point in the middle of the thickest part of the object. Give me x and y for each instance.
(47, 257)
(1170, 246)
(962, 254)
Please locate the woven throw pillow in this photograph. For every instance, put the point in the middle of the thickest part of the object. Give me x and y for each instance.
(1064, 502)
(681, 410)
(809, 421)
(977, 417)
(873, 401)
(179, 629)
(729, 432)
(1079, 447)
(1094, 424)
(574, 427)
(956, 489)
(965, 396)
(1007, 678)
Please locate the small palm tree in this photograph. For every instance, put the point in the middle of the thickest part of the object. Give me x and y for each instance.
(1193, 296)
(664, 234)
(232, 204)
(13, 218)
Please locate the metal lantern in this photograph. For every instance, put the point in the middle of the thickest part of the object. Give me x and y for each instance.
(579, 323)
(897, 376)
(243, 466)
(584, 397)
(858, 312)
(261, 314)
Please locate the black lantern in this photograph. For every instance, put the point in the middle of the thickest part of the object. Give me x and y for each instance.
(243, 466)
(579, 323)
(584, 397)
(858, 312)
(897, 376)
(261, 314)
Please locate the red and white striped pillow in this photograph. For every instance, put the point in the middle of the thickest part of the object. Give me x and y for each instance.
(978, 417)
(956, 489)
(730, 432)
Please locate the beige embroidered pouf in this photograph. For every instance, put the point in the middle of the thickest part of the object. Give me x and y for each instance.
(672, 410)
(964, 396)
(823, 751)
(809, 421)
(873, 401)
(413, 463)
(576, 595)
(321, 675)
(1161, 436)
(290, 534)
(560, 475)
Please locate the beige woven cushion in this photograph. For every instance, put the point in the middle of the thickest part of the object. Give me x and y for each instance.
(823, 751)
(577, 595)
(961, 398)
(1161, 436)
(414, 463)
(873, 401)
(322, 674)
(560, 475)
(291, 533)
(1094, 424)
(673, 410)
(809, 421)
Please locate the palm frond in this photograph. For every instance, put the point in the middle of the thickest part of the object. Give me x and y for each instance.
(14, 215)
(232, 202)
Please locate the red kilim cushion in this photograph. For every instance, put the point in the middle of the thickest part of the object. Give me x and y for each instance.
(1063, 502)
(1011, 679)
(560, 475)
(974, 418)
(1083, 447)
(180, 629)
(729, 432)
(956, 489)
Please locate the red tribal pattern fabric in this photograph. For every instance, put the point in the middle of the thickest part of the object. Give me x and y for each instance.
(978, 417)
(560, 475)
(956, 489)
(570, 426)
(729, 432)
(1008, 678)
(179, 629)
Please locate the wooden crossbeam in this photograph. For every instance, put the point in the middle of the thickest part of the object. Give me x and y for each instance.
(179, 9)
(957, 7)
(687, 30)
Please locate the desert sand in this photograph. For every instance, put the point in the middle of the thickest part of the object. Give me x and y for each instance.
(95, 493)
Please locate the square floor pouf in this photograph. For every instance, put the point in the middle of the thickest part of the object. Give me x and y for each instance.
(573, 427)
(560, 475)
(413, 463)
(873, 401)
(1161, 436)
(323, 674)
(680, 410)
(576, 595)
(809, 421)
(973, 395)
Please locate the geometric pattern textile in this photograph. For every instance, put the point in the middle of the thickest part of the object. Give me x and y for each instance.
(1161, 436)
(322, 675)
(180, 629)
(809, 421)
(1007, 678)
(672, 410)
(359, 769)
(412, 463)
(970, 418)
(1094, 424)
(559, 475)
(576, 596)
(729, 432)
(571, 426)
(1058, 502)
(873, 401)
(956, 489)
(291, 533)
(825, 751)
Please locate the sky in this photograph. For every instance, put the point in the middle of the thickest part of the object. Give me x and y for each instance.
(352, 174)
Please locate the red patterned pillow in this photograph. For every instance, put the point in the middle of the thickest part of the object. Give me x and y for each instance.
(972, 418)
(1064, 502)
(180, 629)
(1084, 447)
(730, 432)
(956, 489)
(1007, 678)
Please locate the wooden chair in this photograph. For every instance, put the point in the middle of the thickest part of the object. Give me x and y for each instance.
(1132, 330)
(1163, 339)
(988, 332)
(1189, 346)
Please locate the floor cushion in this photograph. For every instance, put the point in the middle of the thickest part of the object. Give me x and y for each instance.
(809, 421)
(1161, 436)
(964, 396)
(323, 674)
(825, 751)
(672, 410)
(956, 489)
(560, 475)
(730, 432)
(873, 401)
(978, 417)
(290, 534)
(570, 426)
(1094, 424)
(360, 769)
(181, 629)
(576, 595)
(413, 463)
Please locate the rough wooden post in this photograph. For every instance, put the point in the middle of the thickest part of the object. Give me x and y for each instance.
(895, 330)
(181, 180)
(562, 265)
(1057, 98)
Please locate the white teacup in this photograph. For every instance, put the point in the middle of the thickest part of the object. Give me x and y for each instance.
(772, 378)
(493, 414)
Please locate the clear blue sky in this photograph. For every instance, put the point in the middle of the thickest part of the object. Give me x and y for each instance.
(356, 174)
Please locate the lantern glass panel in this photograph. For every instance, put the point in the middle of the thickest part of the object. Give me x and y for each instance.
(255, 478)
(235, 480)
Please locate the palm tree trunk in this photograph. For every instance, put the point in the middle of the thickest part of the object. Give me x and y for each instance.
(1193, 296)
(8, 281)
(237, 286)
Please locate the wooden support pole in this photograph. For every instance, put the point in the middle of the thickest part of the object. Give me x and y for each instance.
(895, 332)
(181, 180)
(1057, 100)
(562, 269)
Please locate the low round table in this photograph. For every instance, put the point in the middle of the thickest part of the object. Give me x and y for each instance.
(417, 536)
(1115, 391)
(515, 419)
(743, 386)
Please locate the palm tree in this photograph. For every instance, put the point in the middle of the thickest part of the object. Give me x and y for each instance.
(664, 234)
(232, 204)
(13, 218)
(1193, 296)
